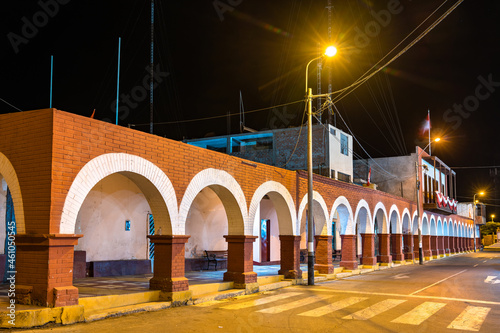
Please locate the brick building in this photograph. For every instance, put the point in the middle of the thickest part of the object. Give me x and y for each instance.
(78, 184)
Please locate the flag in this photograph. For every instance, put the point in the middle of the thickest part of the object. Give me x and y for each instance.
(93, 113)
(426, 126)
(369, 176)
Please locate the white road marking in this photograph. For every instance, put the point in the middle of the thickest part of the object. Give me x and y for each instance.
(401, 276)
(440, 298)
(295, 304)
(470, 319)
(260, 301)
(375, 309)
(476, 265)
(321, 311)
(419, 314)
(485, 261)
(491, 280)
(449, 277)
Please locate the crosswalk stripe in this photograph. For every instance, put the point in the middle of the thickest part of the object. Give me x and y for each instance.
(375, 309)
(257, 302)
(295, 304)
(333, 307)
(419, 314)
(470, 319)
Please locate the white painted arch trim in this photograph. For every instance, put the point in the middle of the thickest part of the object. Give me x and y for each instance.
(105, 165)
(369, 227)
(325, 230)
(342, 201)
(406, 213)
(399, 222)
(9, 174)
(385, 221)
(286, 215)
(232, 197)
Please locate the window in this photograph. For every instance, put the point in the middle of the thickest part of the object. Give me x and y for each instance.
(343, 177)
(344, 144)
(332, 173)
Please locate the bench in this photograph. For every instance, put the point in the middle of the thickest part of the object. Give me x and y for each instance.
(214, 257)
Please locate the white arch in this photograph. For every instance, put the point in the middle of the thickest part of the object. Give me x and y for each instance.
(394, 214)
(406, 217)
(320, 213)
(229, 192)
(380, 213)
(135, 168)
(345, 219)
(439, 227)
(433, 226)
(9, 174)
(283, 203)
(446, 232)
(425, 225)
(362, 204)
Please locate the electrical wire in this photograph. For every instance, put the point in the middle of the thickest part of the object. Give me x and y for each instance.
(365, 77)
(215, 117)
(18, 109)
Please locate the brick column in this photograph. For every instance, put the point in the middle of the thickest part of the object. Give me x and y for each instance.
(434, 247)
(397, 247)
(368, 249)
(349, 260)
(451, 242)
(169, 263)
(408, 247)
(471, 244)
(323, 254)
(446, 245)
(415, 246)
(290, 257)
(385, 248)
(459, 245)
(240, 261)
(44, 265)
(426, 246)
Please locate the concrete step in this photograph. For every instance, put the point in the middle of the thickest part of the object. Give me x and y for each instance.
(218, 295)
(209, 288)
(275, 285)
(123, 310)
(98, 303)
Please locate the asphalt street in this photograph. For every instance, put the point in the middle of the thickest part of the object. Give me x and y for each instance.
(455, 294)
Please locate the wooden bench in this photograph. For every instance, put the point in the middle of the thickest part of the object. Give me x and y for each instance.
(214, 257)
(336, 254)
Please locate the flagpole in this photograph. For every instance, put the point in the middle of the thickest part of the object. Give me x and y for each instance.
(429, 123)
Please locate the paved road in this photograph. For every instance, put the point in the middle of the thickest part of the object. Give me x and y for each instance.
(456, 294)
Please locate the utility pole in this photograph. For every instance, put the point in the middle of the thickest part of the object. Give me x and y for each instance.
(151, 68)
(330, 109)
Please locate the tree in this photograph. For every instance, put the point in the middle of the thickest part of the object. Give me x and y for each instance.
(489, 228)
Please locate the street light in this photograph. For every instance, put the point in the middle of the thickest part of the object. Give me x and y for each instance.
(492, 216)
(474, 216)
(330, 52)
(417, 167)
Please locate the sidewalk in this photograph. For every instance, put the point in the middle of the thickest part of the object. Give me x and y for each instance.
(100, 298)
(492, 248)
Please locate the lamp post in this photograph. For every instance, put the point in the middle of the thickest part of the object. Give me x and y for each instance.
(492, 216)
(474, 216)
(417, 167)
(330, 52)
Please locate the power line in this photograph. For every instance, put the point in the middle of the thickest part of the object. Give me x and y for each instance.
(18, 109)
(215, 117)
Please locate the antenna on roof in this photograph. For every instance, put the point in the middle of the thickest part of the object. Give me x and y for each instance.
(242, 118)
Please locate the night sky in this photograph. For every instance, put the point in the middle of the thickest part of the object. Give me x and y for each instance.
(207, 51)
